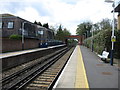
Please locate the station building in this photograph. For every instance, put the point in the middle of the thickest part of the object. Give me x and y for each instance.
(11, 24)
(34, 34)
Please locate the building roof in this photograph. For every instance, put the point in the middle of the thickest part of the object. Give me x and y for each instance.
(7, 15)
(117, 9)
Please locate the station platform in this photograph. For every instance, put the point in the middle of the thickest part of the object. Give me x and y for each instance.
(85, 70)
(15, 53)
(13, 59)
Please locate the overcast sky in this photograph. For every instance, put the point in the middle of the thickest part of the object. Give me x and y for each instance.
(69, 13)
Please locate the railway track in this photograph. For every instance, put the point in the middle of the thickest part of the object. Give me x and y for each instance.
(47, 79)
(20, 79)
(12, 71)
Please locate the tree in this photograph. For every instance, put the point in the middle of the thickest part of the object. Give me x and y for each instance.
(66, 32)
(60, 28)
(84, 28)
(35, 22)
(105, 24)
(46, 25)
(39, 23)
(102, 25)
(61, 33)
(96, 26)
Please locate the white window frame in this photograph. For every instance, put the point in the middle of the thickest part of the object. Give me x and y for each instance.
(11, 24)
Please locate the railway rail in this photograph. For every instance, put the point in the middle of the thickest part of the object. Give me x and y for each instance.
(19, 79)
(47, 79)
(13, 70)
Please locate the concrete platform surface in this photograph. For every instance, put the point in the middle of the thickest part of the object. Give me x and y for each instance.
(73, 75)
(85, 70)
(100, 74)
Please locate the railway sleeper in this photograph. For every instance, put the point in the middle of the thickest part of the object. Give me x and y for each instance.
(36, 88)
(45, 77)
(42, 83)
(58, 66)
(48, 80)
(39, 85)
(53, 70)
(48, 75)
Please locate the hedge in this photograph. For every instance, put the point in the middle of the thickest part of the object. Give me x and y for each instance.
(14, 36)
(102, 40)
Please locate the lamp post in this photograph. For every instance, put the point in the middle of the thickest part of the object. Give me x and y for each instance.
(113, 25)
(23, 35)
(92, 40)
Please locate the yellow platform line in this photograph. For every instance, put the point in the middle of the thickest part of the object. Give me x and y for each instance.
(81, 78)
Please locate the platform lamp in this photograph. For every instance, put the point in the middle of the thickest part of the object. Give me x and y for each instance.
(23, 24)
(113, 25)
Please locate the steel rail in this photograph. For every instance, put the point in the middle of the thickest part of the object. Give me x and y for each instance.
(40, 70)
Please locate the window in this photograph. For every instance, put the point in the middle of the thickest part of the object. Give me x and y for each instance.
(40, 32)
(10, 24)
(0, 24)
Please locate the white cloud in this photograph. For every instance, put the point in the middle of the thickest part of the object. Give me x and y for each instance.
(68, 13)
(28, 13)
(31, 14)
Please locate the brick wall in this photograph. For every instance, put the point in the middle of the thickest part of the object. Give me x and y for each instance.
(14, 45)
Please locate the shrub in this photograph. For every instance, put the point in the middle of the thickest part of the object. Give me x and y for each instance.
(14, 36)
(102, 40)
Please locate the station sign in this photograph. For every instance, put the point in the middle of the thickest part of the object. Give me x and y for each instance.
(113, 39)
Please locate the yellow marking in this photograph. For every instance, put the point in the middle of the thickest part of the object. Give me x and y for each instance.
(81, 78)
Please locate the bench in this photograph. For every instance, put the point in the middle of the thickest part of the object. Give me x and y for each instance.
(104, 55)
